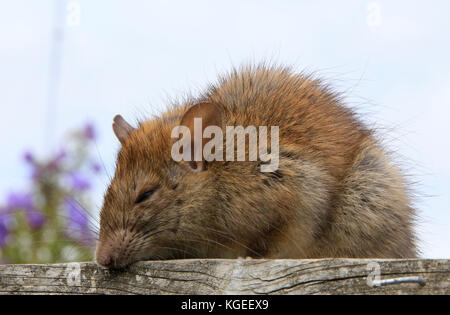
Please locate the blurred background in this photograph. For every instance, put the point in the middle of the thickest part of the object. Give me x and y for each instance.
(67, 67)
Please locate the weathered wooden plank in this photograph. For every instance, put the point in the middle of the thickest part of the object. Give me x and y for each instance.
(241, 276)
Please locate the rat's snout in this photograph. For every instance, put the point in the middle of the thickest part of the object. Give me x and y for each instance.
(105, 260)
(104, 255)
(112, 251)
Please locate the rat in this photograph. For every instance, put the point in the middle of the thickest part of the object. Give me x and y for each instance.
(335, 193)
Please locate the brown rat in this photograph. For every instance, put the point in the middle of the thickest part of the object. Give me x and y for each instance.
(335, 193)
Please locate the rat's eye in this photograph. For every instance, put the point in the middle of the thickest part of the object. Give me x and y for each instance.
(144, 196)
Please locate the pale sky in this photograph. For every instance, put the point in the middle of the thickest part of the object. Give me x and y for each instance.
(390, 57)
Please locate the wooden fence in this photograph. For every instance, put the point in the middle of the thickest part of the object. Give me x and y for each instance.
(240, 276)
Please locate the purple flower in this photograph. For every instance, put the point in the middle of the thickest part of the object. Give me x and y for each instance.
(61, 155)
(96, 167)
(55, 163)
(28, 157)
(35, 219)
(23, 201)
(78, 223)
(75, 213)
(35, 168)
(89, 131)
(79, 182)
(16, 200)
(4, 233)
(36, 174)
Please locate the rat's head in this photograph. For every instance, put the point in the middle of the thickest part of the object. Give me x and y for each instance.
(153, 202)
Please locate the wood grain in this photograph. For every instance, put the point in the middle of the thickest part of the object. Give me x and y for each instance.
(241, 276)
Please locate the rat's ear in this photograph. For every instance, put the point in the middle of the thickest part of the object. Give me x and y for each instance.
(210, 115)
(121, 128)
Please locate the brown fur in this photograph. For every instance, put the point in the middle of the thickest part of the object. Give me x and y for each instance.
(335, 194)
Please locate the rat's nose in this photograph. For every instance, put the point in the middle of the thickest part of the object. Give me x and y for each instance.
(104, 255)
(111, 251)
(105, 261)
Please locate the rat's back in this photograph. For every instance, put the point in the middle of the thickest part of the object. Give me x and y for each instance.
(354, 198)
